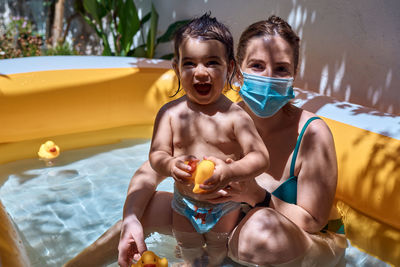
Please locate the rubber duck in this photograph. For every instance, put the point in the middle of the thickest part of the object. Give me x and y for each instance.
(48, 151)
(203, 171)
(150, 259)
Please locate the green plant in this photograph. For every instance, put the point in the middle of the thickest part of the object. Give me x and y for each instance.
(123, 23)
(19, 40)
(61, 49)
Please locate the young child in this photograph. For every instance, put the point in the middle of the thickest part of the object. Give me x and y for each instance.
(205, 123)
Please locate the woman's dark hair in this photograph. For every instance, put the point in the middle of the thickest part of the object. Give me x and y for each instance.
(274, 25)
(206, 28)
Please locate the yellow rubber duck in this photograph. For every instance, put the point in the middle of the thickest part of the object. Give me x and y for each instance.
(48, 151)
(203, 171)
(150, 259)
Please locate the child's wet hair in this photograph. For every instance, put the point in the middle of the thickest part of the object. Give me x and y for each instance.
(206, 28)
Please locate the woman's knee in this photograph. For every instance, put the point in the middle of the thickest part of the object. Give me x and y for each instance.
(158, 213)
(264, 236)
(261, 223)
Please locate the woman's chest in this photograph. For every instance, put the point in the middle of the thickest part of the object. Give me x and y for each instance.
(280, 149)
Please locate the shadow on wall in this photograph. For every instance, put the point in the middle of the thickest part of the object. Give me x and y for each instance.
(348, 51)
(314, 102)
(345, 55)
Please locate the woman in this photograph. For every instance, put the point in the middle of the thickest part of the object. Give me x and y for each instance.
(285, 228)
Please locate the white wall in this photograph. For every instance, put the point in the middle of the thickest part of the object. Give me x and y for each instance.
(350, 49)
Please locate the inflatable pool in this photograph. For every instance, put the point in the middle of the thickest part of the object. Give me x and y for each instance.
(88, 101)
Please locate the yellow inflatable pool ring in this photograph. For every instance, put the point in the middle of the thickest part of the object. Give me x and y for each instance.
(101, 100)
(150, 259)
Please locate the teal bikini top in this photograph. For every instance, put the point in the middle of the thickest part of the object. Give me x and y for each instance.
(287, 191)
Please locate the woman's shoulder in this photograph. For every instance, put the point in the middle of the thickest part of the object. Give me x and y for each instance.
(317, 131)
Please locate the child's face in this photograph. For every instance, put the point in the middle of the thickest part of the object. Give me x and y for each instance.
(203, 69)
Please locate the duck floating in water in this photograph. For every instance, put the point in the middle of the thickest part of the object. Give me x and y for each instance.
(48, 151)
(150, 259)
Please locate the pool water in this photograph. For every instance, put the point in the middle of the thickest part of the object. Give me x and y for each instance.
(61, 209)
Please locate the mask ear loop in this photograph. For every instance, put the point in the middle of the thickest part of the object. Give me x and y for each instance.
(239, 77)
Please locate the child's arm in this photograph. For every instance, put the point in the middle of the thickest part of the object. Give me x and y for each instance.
(254, 162)
(161, 155)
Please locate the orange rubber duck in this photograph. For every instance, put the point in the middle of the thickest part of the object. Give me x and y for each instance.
(48, 151)
(150, 259)
(202, 172)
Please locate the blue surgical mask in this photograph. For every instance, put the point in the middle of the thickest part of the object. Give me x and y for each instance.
(266, 95)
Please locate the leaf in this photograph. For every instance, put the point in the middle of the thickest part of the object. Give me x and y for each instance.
(145, 18)
(93, 25)
(151, 36)
(139, 51)
(169, 33)
(102, 35)
(167, 56)
(109, 5)
(128, 24)
(90, 7)
(101, 9)
(95, 9)
(106, 44)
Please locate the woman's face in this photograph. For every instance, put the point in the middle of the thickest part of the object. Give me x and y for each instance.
(269, 56)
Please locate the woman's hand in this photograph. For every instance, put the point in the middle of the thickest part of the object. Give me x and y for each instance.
(244, 191)
(131, 243)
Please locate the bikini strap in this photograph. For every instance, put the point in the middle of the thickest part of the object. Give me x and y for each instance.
(296, 149)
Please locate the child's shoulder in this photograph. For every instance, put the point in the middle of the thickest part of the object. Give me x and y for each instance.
(238, 114)
(173, 105)
(235, 107)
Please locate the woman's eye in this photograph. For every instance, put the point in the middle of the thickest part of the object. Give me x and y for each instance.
(282, 69)
(257, 67)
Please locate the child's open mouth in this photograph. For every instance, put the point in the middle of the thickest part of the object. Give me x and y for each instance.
(202, 88)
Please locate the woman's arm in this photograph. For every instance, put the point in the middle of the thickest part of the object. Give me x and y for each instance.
(316, 168)
(141, 189)
(127, 235)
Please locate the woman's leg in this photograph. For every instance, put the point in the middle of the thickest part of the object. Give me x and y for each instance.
(264, 237)
(156, 217)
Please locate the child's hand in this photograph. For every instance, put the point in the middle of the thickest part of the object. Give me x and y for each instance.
(183, 167)
(221, 176)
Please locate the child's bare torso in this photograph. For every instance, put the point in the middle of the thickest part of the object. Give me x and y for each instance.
(204, 131)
